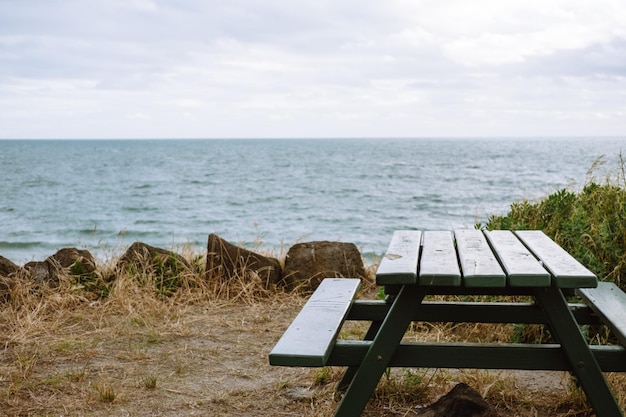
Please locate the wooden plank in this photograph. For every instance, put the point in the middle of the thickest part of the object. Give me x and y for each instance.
(566, 271)
(479, 265)
(311, 336)
(608, 301)
(547, 357)
(521, 267)
(399, 265)
(439, 264)
(469, 312)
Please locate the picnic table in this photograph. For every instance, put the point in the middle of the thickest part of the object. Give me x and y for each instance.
(464, 262)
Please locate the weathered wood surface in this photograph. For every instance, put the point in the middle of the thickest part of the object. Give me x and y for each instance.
(478, 263)
(566, 271)
(311, 336)
(521, 267)
(608, 301)
(399, 264)
(439, 264)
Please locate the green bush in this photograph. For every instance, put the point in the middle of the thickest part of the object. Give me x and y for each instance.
(590, 224)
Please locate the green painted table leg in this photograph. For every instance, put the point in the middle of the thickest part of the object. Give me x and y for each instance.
(348, 375)
(380, 352)
(564, 327)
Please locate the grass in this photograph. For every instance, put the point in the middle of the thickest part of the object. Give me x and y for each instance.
(106, 393)
(150, 382)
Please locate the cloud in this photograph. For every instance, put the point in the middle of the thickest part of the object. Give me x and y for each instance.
(164, 68)
(495, 48)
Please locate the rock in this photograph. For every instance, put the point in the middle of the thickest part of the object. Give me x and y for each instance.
(226, 262)
(78, 262)
(142, 256)
(7, 268)
(307, 264)
(70, 261)
(299, 393)
(163, 267)
(461, 401)
(39, 271)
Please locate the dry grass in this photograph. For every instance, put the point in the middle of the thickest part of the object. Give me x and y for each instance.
(203, 351)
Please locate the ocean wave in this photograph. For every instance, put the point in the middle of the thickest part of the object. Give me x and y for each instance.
(136, 209)
(20, 245)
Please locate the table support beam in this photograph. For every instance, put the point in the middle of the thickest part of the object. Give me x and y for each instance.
(546, 357)
(348, 375)
(584, 364)
(382, 349)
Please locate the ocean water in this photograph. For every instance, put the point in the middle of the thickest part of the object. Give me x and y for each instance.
(103, 195)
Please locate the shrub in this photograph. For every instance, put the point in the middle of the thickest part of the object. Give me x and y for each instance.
(591, 224)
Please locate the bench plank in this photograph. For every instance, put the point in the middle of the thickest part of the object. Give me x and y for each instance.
(311, 336)
(439, 264)
(478, 263)
(608, 301)
(566, 271)
(399, 265)
(522, 268)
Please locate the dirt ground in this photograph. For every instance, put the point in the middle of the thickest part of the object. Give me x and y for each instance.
(211, 359)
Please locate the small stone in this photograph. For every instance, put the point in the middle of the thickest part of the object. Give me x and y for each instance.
(299, 393)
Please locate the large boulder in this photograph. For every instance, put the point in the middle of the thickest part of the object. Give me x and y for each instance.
(143, 256)
(307, 264)
(67, 261)
(162, 267)
(461, 401)
(226, 262)
(76, 261)
(39, 271)
(7, 268)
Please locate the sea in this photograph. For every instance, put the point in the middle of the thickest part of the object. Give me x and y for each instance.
(268, 194)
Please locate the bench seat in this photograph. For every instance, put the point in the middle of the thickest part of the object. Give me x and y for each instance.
(312, 335)
(608, 301)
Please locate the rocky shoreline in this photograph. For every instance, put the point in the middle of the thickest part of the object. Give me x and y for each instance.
(303, 268)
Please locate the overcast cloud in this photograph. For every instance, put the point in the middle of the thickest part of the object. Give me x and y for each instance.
(342, 68)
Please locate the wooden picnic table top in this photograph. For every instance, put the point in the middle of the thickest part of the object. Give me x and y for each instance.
(482, 259)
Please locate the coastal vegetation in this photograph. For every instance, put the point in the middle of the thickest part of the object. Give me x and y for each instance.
(590, 224)
(140, 341)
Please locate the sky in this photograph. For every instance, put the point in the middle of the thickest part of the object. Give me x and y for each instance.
(318, 68)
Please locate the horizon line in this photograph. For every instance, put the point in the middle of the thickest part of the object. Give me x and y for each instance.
(534, 137)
